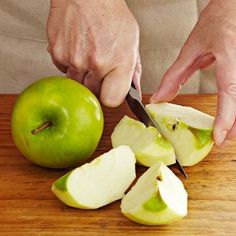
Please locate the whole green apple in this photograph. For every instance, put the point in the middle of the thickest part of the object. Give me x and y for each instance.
(57, 122)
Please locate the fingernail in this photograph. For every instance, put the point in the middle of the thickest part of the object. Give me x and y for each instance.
(152, 99)
(225, 143)
(220, 137)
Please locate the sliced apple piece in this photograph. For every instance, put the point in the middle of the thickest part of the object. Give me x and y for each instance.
(187, 129)
(98, 183)
(157, 198)
(146, 142)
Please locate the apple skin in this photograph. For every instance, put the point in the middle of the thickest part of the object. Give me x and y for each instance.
(76, 122)
(157, 198)
(191, 145)
(187, 129)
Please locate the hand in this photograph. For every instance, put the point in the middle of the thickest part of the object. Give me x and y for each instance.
(96, 42)
(213, 39)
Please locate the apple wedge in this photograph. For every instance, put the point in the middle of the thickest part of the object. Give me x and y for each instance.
(98, 183)
(146, 142)
(187, 129)
(157, 198)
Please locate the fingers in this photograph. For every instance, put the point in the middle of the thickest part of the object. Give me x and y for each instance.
(59, 66)
(224, 125)
(225, 117)
(93, 82)
(116, 85)
(232, 133)
(192, 57)
(57, 58)
(77, 74)
(137, 74)
(73, 65)
(113, 87)
(204, 61)
(178, 73)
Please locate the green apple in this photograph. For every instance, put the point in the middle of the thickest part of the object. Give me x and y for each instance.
(146, 142)
(57, 122)
(157, 198)
(98, 183)
(187, 129)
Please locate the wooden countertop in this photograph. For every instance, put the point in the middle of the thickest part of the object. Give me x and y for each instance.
(28, 206)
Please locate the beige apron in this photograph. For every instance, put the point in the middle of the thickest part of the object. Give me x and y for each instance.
(164, 24)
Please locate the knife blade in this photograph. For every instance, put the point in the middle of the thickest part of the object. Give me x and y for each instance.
(134, 101)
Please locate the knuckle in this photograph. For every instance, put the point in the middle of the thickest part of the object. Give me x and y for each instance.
(231, 89)
(49, 49)
(96, 62)
(227, 41)
(56, 53)
(74, 61)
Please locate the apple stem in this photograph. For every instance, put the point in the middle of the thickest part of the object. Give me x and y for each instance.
(42, 127)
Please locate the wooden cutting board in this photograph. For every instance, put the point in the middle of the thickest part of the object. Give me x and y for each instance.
(28, 206)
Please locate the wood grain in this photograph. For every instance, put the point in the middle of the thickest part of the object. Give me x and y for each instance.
(28, 207)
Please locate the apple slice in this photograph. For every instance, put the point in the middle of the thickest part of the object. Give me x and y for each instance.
(187, 129)
(98, 183)
(157, 198)
(146, 142)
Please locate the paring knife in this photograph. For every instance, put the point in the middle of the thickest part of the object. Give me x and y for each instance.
(134, 101)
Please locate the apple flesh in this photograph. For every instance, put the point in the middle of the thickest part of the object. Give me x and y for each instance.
(98, 183)
(157, 198)
(187, 129)
(146, 142)
(57, 122)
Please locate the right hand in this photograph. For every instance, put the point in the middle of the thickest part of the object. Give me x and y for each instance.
(213, 39)
(96, 42)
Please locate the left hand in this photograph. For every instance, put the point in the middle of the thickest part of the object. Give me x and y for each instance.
(213, 39)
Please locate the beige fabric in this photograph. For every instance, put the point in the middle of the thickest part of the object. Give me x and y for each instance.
(23, 43)
(164, 24)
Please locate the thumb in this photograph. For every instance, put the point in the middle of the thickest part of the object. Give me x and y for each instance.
(116, 85)
(225, 125)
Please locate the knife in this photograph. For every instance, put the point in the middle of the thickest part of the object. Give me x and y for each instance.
(134, 100)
